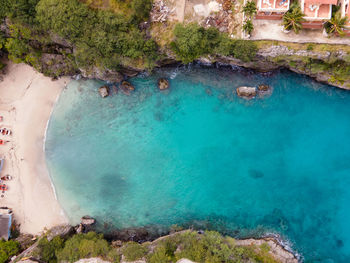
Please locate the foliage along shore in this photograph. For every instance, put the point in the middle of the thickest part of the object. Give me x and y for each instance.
(63, 244)
(68, 37)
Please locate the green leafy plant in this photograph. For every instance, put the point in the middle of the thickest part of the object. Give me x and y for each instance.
(48, 249)
(249, 9)
(133, 251)
(245, 50)
(293, 18)
(336, 24)
(84, 246)
(248, 26)
(8, 249)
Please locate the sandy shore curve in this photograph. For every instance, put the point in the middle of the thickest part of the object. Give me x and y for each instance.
(26, 102)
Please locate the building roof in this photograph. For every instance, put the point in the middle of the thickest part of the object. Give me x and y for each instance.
(5, 223)
(322, 2)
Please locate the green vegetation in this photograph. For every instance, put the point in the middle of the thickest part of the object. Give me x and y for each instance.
(84, 246)
(101, 38)
(49, 249)
(293, 18)
(8, 249)
(336, 24)
(249, 9)
(192, 41)
(134, 251)
(208, 247)
(248, 26)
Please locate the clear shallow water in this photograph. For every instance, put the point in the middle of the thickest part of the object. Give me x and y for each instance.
(198, 152)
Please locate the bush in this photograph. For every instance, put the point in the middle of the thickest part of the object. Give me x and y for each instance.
(141, 9)
(84, 246)
(8, 249)
(134, 251)
(49, 249)
(245, 50)
(192, 41)
(102, 38)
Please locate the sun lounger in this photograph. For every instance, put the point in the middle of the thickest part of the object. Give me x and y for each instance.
(1, 163)
(3, 187)
(5, 131)
(6, 178)
(2, 142)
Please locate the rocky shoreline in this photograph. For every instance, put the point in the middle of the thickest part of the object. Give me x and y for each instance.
(278, 248)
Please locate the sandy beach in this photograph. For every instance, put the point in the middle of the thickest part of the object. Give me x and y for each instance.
(26, 101)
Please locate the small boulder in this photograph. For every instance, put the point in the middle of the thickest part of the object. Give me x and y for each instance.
(87, 221)
(247, 92)
(126, 87)
(163, 84)
(263, 87)
(104, 91)
(79, 229)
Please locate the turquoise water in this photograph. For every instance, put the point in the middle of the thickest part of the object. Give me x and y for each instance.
(197, 153)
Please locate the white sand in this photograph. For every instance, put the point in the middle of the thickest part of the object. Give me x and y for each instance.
(26, 101)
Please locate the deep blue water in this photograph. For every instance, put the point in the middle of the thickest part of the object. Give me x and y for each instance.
(199, 153)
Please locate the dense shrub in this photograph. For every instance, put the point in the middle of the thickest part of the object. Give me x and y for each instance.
(102, 37)
(192, 41)
(8, 249)
(133, 251)
(84, 246)
(49, 249)
(244, 50)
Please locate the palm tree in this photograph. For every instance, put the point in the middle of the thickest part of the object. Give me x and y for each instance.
(336, 24)
(248, 26)
(293, 18)
(250, 9)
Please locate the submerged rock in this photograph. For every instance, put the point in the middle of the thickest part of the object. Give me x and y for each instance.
(104, 91)
(256, 174)
(263, 87)
(126, 87)
(163, 84)
(247, 92)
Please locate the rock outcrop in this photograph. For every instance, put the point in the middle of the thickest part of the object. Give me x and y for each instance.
(91, 260)
(126, 87)
(263, 87)
(62, 231)
(246, 92)
(163, 84)
(277, 250)
(102, 74)
(103, 91)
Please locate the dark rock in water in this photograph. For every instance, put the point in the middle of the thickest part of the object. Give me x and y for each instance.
(340, 243)
(256, 174)
(263, 87)
(209, 91)
(87, 220)
(163, 84)
(62, 231)
(246, 92)
(126, 87)
(104, 91)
